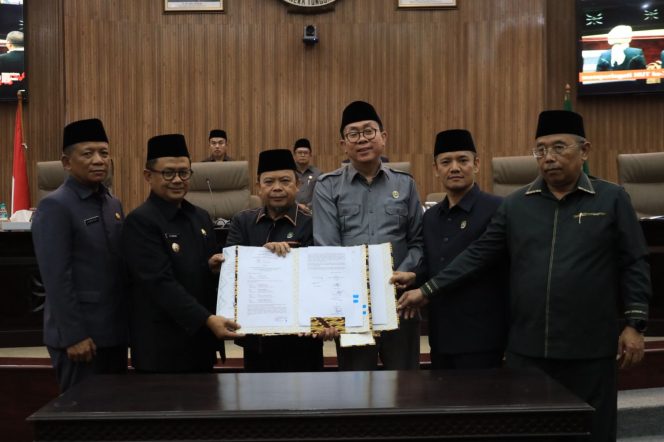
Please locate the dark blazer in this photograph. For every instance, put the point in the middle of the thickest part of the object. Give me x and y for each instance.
(12, 61)
(634, 59)
(473, 316)
(173, 291)
(76, 234)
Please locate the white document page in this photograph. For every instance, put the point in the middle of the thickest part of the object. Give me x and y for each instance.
(356, 339)
(226, 291)
(266, 282)
(383, 294)
(332, 282)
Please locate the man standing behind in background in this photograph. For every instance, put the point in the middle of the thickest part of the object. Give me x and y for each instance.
(307, 174)
(218, 143)
(76, 233)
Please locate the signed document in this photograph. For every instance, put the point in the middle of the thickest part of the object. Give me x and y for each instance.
(269, 294)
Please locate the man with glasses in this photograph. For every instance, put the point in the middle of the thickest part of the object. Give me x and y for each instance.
(76, 230)
(218, 143)
(307, 174)
(575, 248)
(169, 247)
(367, 202)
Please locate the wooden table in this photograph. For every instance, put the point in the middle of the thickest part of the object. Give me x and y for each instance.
(327, 406)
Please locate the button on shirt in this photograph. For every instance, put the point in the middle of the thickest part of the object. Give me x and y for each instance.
(570, 261)
(307, 182)
(254, 227)
(349, 211)
(473, 317)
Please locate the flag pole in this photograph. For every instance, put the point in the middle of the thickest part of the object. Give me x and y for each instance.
(20, 186)
(567, 105)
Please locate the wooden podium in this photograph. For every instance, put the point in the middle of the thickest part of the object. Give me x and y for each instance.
(326, 406)
(653, 230)
(22, 303)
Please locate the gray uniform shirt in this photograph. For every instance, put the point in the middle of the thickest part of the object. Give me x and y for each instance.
(307, 179)
(348, 211)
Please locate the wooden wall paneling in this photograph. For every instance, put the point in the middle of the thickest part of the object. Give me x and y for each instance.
(247, 71)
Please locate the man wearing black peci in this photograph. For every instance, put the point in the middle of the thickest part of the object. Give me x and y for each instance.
(278, 225)
(169, 247)
(467, 330)
(218, 144)
(575, 247)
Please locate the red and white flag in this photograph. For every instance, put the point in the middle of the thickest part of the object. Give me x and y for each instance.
(20, 186)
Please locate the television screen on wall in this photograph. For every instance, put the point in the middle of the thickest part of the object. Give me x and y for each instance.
(12, 45)
(620, 46)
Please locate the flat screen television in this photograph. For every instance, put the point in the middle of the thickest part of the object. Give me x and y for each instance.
(12, 45)
(620, 46)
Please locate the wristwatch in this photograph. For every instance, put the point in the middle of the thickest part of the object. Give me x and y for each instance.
(640, 325)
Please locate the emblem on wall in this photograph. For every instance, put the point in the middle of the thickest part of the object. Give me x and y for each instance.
(309, 6)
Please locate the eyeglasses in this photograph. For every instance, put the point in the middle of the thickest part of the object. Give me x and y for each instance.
(169, 174)
(369, 134)
(556, 149)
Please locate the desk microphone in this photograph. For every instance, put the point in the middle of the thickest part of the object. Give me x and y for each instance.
(219, 223)
(214, 207)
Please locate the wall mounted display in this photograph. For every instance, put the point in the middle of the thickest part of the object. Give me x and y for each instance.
(427, 4)
(620, 46)
(193, 6)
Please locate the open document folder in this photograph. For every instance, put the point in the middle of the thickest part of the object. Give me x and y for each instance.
(343, 286)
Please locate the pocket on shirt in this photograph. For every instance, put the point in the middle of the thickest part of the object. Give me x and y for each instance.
(397, 212)
(349, 215)
(89, 296)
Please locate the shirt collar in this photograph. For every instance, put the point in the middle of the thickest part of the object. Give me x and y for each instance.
(467, 202)
(168, 209)
(83, 191)
(290, 216)
(583, 184)
(353, 173)
(309, 169)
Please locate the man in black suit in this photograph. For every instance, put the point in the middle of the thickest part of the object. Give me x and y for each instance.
(169, 247)
(13, 60)
(76, 230)
(469, 330)
(621, 57)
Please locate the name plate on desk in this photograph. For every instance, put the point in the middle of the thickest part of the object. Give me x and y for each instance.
(13, 226)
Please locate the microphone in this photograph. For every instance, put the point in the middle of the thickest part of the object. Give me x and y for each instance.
(214, 207)
(219, 223)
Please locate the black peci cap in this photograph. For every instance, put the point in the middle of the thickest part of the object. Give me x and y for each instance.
(83, 130)
(171, 145)
(453, 140)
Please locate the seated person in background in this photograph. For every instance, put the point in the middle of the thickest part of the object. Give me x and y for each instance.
(621, 57)
(218, 146)
(307, 174)
(383, 159)
(278, 225)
